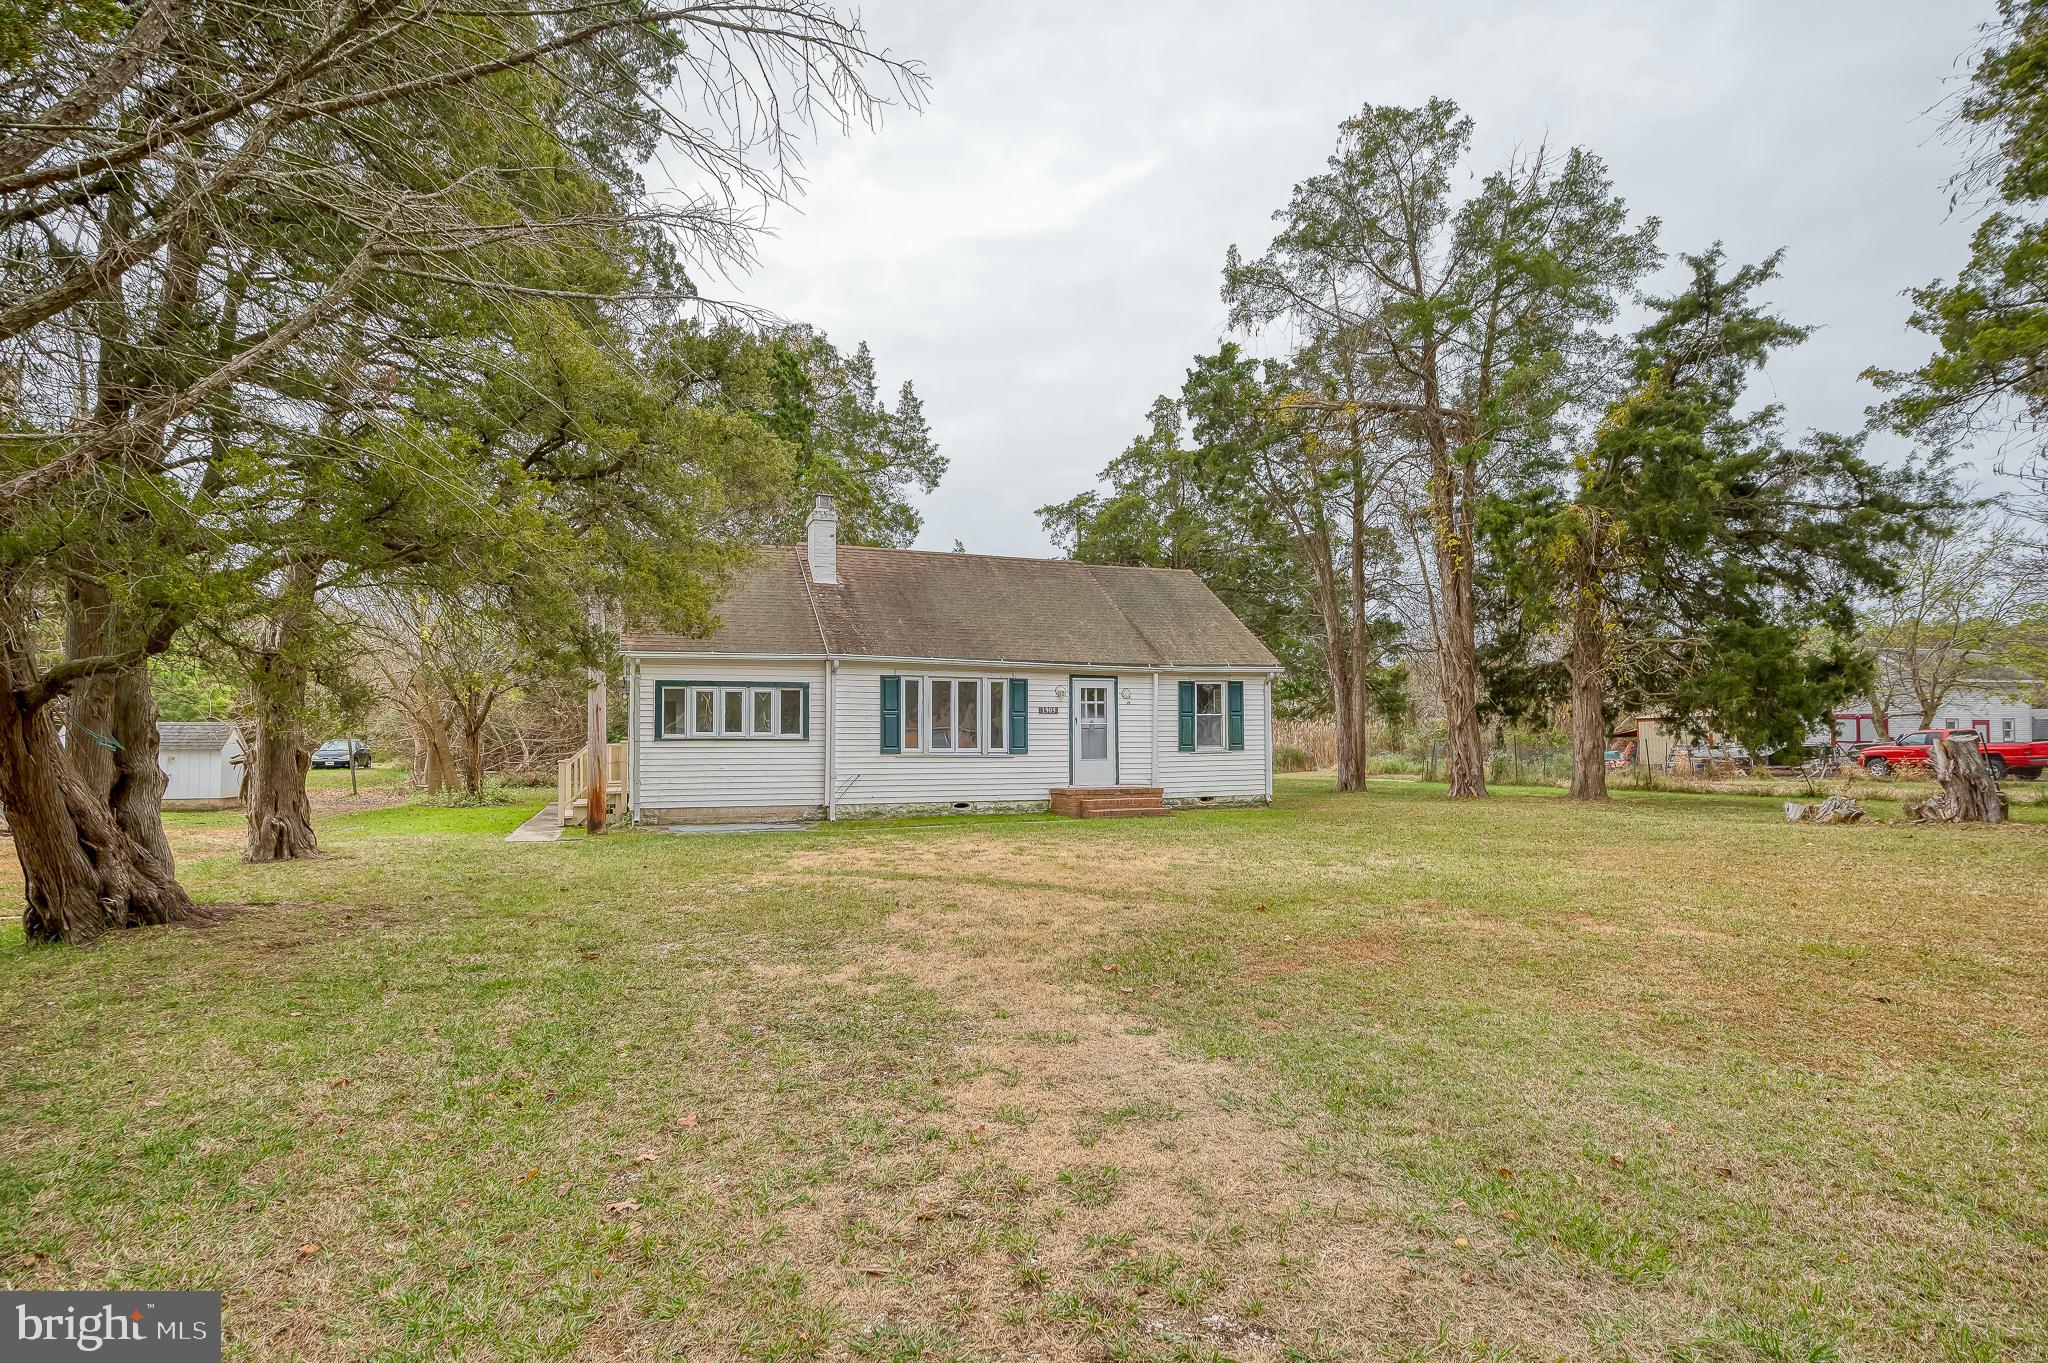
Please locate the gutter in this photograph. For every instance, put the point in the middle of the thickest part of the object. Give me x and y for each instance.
(831, 742)
(922, 660)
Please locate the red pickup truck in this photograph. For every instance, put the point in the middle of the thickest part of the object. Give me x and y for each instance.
(2024, 760)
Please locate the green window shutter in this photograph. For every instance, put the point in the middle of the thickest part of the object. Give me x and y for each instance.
(1020, 721)
(892, 714)
(1233, 700)
(1187, 716)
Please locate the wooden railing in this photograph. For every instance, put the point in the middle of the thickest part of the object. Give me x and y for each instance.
(572, 780)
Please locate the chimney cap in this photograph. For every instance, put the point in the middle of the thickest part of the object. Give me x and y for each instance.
(824, 505)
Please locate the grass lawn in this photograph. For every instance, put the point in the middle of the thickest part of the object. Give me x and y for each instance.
(1367, 1076)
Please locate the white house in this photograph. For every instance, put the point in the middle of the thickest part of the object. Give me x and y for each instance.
(203, 764)
(853, 682)
(2002, 710)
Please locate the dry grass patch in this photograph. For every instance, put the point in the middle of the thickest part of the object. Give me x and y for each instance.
(1355, 1077)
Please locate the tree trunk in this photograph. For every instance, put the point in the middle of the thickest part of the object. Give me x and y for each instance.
(1968, 792)
(430, 730)
(1464, 743)
(280, 815)
(473, 758)
(111, 737)
(1350, 745)
(595, 798)
(1586, 661)
(82, 873)
(1458, 680)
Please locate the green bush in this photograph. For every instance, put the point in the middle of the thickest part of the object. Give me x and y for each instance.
(497, 791)
(1291, 758)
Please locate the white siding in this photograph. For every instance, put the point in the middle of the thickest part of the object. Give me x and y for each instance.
(866, 775)
(200, 773)
(720, 773)
(740, 773)
(1968, 706)
(1190, 775)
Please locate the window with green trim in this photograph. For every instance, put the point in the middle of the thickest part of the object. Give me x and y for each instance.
(963, 716)
(1209, 717)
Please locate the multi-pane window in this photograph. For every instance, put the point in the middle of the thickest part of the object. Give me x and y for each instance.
(2005, 730)
(740, 710)
(966, 716)
(955, 715)
(942, 714)
(1208, 715)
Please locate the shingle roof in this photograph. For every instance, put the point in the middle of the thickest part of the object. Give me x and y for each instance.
(208, 735)
(910, 603)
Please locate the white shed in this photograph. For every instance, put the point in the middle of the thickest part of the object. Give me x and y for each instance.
(203, 763)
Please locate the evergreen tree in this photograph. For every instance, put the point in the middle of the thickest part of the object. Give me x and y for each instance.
(1692, 559)
(1448, 325)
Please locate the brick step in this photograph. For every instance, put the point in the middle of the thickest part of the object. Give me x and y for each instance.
(1156, 792)
(1109, 802)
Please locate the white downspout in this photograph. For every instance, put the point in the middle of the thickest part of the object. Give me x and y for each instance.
(831, 742)
(1269, 738)
(633, 741)
(1152, 755)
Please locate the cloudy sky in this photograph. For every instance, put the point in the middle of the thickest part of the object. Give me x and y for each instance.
(1039, 250)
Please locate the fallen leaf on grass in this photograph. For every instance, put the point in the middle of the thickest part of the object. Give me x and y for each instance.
(646, 1155)
(687, 1119)
(309, 1249)
(1462, 1243)
(625, 1206)
(528, 1176)
(1617, 1160)
(341, 1083)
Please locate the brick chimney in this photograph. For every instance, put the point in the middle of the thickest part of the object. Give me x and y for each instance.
(821, 535)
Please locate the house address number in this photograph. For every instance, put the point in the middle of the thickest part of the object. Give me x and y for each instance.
(1048, 709)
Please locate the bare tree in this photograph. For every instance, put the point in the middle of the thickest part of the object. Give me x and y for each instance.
(1963, 590)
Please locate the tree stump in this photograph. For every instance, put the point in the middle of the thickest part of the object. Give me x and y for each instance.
(1834, 809)
(1969, 794)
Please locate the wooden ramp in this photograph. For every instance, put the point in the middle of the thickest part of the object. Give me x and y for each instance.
(1109, 802)
(572, 783)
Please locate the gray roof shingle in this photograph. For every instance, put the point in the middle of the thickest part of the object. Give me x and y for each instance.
(206, 735)
(911, 603)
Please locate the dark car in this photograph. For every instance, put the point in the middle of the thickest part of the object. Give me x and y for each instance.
(338, 752)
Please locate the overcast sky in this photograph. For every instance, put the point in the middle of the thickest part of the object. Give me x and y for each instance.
(1039, 250)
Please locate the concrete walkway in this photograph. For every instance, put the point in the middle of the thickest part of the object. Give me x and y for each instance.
(545, 826)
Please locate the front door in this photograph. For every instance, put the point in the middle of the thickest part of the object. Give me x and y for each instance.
(1094, 731)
